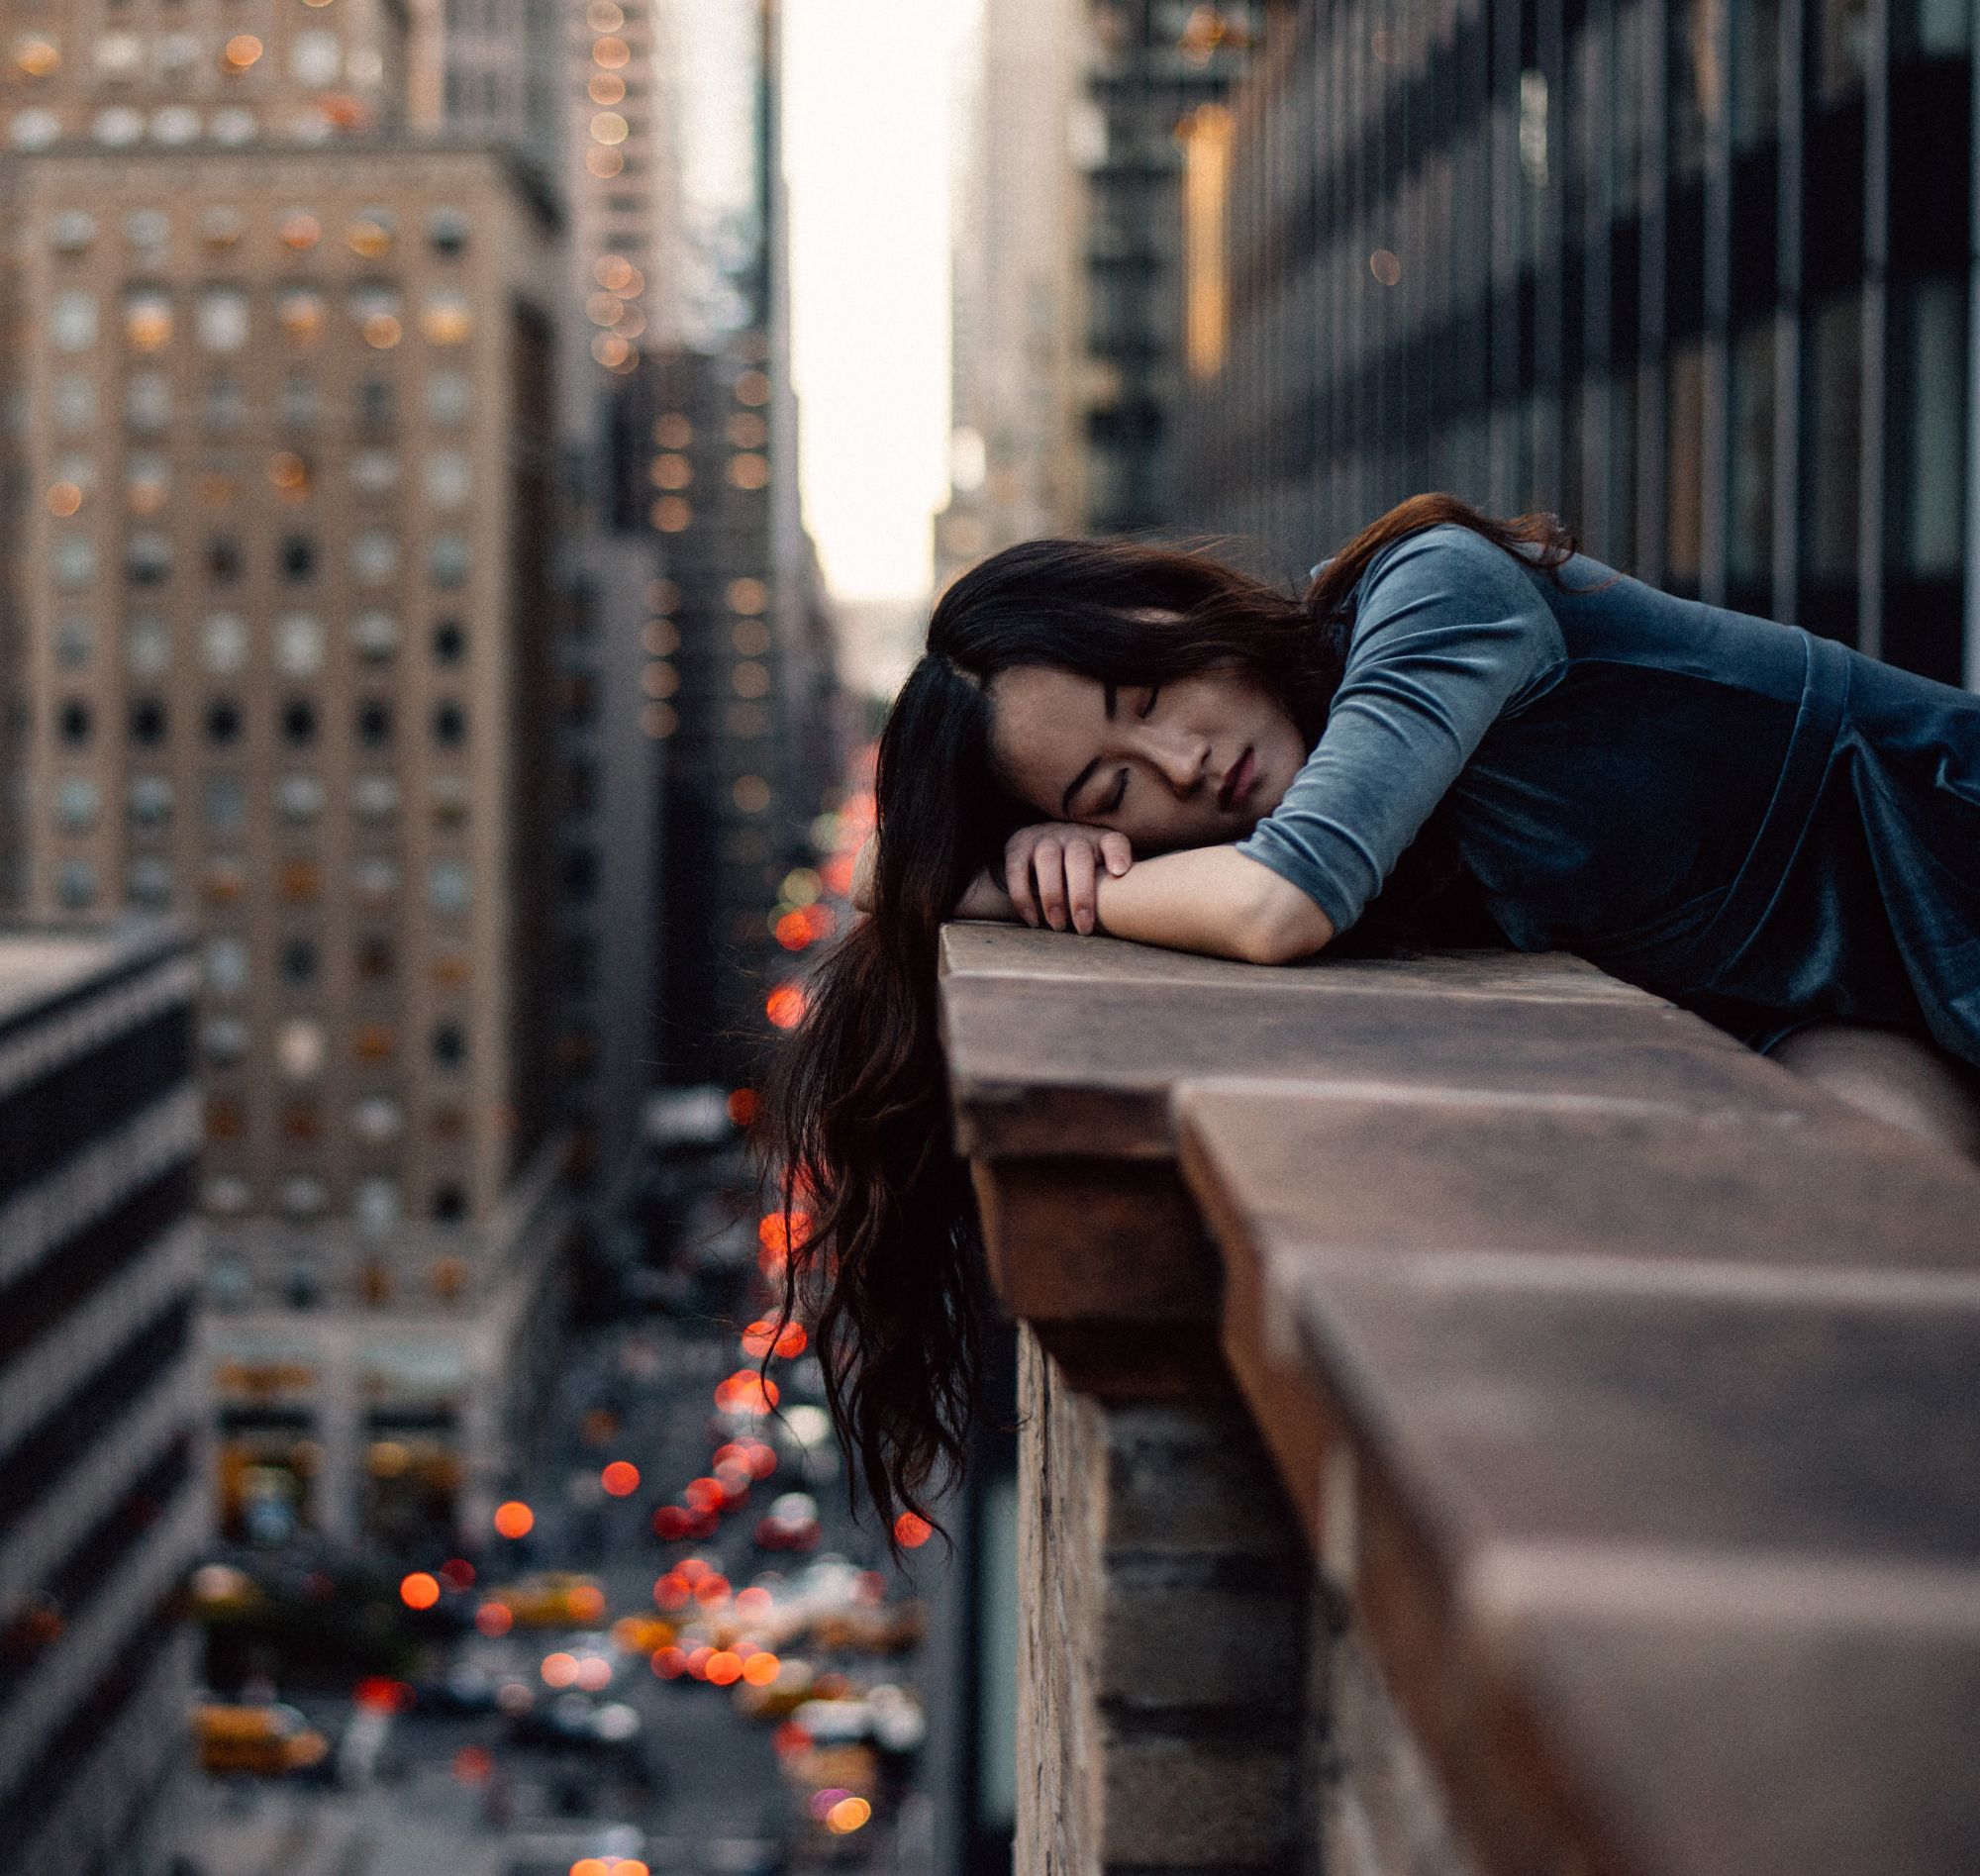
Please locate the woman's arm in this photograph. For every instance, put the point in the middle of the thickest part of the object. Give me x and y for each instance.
(1212, 900)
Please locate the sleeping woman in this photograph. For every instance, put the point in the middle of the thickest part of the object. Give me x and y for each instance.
(1464, 732)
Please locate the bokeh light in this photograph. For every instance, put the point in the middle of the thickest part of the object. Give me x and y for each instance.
(419, 1590)
(514, 1520)
(621, 1478)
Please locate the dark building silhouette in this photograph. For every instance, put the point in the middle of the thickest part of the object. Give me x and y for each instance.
(1693, 274)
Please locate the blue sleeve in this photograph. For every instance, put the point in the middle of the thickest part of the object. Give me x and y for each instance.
(1447, 631)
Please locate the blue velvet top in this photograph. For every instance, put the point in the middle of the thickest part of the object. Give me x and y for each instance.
(1754, 822)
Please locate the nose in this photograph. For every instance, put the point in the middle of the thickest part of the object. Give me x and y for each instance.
(1182, 760)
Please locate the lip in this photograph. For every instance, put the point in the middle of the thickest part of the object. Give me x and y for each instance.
(1237, 781)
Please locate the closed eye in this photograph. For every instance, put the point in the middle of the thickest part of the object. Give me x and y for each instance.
(1119, 794)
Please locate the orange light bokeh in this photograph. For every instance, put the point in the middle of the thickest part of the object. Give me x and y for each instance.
(910, 1532)
(514, 1520)
(419, 1590)
(785, 1007)
(621, 1478)
(494, 1620)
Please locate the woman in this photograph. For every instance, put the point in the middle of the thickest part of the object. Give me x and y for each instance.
(1463, 729)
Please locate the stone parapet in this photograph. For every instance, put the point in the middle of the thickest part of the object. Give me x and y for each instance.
(1478, 1417)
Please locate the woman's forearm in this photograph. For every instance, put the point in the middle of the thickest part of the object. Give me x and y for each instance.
(1214, 899)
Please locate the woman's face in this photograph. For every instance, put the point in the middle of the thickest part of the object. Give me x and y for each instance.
(1195, 761)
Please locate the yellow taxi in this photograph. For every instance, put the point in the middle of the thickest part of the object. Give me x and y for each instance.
(264, 1741)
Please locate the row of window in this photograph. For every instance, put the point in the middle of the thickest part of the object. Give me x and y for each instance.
(147, 559)
(371, 233)
(223, 316)
(147, 401)
(149, 881)
(298, 720)
(302, 1043)
(446, 479)
(299, 963)
(298, 798)
(375, 1204)
(316, 56)
(297, 644)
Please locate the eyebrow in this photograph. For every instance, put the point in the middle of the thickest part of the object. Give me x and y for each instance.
(1085, 775)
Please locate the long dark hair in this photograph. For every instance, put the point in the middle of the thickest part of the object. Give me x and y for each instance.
(855, 1117)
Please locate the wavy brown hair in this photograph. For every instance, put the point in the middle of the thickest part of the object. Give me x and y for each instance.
(856, 1120)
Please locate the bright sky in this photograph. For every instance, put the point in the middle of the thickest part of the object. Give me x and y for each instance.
(868, 94)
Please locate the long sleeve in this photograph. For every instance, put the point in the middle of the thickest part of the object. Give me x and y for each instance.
(1448, 632)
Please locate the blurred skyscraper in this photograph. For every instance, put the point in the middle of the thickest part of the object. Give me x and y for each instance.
(1695, 275)
(282, 413)
(741, 684)
(104, 1443)
(1029, 141)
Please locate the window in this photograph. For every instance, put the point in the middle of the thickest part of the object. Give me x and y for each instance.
(376, 957)
(148, 881)
(73, 401)
(1832, 462)
(118, 126)
(223, 642)
(1929, 497)
(376, 797)
(299, 798)
(225, 559)
(375, 722)
(222, 722)
(299, 644)
(374, 471)
(374, 556)
(377, 880)
(377, 312)
(447, 886)
(377, 635)
(299, 961)
(375, 406)
(226, 402)
(34, 130)
(450, 642)
(300, 405)
(299, 722)
(75, 884)
(75, 641)
(304, 1196)
(447, 230)
(224, 804)
(449, 723)
(71, 231)
(150, 801)
(299, 314)
(449, 1204)
(298, 559)
(175, 124)
(74, 558)
(1750, 541)
(74, 722)
(147, 558)
(147, 645)
(221, 322)
(226, 962)
(147, 482)
(73, 320)
(448, 479)
(76, 804)
(374, 1203)
(450, 1044)
(148, 402)
(448, 399)
(448, 561)
(446, 317)
(316, 57)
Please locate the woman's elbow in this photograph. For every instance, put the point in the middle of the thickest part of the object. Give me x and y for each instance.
(1284, 928)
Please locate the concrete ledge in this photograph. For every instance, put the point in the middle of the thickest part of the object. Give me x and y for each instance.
(1618, 1385)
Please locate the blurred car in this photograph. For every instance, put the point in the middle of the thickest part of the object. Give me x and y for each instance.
(791, 1523)
(266, 1741)
(573, 1720)
(553, 1599)
(465, 1688)
(642, 1635)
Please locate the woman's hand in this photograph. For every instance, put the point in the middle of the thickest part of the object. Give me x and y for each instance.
(1050, 871)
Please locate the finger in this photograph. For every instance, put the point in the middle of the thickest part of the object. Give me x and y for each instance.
(1017, 880)
(1118, 852)
(1049, 863)
(1079, 885)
